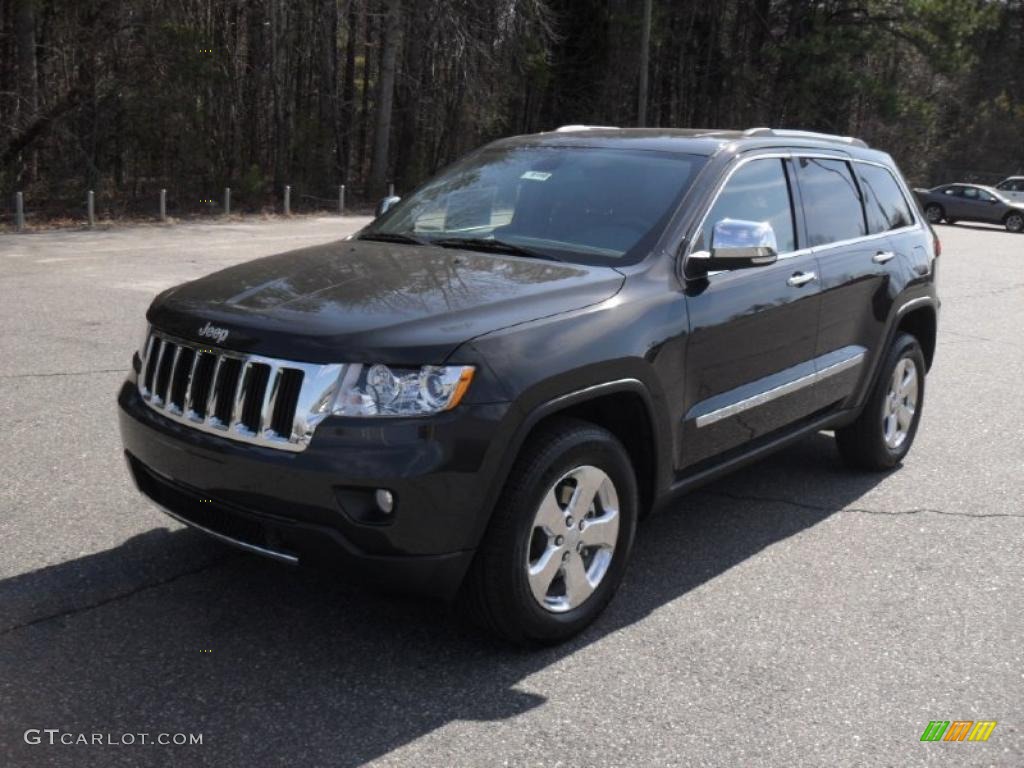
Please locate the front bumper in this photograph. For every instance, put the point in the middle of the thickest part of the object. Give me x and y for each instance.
(316, 506)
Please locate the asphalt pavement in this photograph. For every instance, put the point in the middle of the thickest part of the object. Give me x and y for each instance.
(796, 613)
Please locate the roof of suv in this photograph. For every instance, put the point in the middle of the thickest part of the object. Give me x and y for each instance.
(701, 141)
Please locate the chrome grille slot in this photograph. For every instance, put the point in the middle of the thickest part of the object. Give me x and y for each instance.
(202, 378)
(163, 369)
(255, 390)
(287, 398)
(180, 377)
(253, 399)
(224, 389)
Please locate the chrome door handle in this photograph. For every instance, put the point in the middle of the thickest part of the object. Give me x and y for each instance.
(883, 256)
(802, 278)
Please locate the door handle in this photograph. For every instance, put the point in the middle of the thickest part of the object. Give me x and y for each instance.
(802, 278)
(883, 256)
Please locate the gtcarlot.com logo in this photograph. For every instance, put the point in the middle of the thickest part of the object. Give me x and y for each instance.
(55, 736)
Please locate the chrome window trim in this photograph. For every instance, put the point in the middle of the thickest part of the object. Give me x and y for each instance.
(792, 154)
(782, 390)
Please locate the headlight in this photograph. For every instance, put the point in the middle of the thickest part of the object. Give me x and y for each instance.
(378, 390)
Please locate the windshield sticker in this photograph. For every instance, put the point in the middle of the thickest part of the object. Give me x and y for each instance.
(536, 175)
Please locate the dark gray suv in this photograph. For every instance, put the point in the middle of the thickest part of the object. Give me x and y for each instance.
(480, 394)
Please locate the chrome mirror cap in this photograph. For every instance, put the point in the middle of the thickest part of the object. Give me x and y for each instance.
(749, 243)
(385, 204)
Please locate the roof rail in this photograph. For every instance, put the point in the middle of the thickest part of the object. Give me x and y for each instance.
(566, 128)
(793, 134)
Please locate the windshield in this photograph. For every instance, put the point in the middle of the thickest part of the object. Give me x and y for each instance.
(581, 204)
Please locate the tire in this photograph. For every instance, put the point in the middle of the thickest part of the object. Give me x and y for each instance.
(1014, 222)
(882, 435)
(934, 213)
(499, 593)
(952, 221)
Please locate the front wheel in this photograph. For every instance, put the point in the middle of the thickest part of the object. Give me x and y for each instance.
(559, 538)
(1014, 222)
(883, 433)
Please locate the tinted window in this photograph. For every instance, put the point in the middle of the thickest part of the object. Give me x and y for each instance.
(831, 200)
(884, 204)
(758, 191)
(591, 205)
(951, 191)
(1012, 185)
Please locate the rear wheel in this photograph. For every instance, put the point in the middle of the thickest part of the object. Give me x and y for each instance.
(1014, 222)
(883, 433)
(560, 536)
(934, 213)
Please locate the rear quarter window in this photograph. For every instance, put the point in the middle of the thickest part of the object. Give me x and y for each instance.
(884, 204)
(832, 206)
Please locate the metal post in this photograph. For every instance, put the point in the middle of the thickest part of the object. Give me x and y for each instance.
(163, 205)
(287, 200)
(19, 211)
(391, 189)
(227, 201)
(91, 205)
(341, 200)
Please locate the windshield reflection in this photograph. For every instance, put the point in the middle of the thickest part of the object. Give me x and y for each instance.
(585, 204)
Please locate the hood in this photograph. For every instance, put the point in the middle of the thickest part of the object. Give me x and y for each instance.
(363, 301)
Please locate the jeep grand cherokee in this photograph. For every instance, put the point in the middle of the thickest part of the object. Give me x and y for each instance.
(479, 394)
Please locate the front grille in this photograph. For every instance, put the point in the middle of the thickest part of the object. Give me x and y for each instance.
(254, 399)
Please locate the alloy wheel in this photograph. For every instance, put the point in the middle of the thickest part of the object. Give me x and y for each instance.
(900, 403)
(572, 539)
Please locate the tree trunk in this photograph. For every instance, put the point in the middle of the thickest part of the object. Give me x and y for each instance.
(28, 84)
(348, 90)
(645, 64)
(385, 98)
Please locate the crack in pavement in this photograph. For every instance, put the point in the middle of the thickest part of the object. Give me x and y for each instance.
(62, 373)
(74, 611)
(858, 510)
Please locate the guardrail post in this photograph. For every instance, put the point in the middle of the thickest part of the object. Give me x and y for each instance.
(19, 211)
(227, 201)
(287, 200)
(163, 205)
(341, 200)
(91, 206)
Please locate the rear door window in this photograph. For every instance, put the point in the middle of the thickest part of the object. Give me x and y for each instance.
(884, 204)
(832, 206)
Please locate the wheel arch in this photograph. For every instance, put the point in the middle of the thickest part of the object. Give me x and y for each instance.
(625, 408)
(921, 323)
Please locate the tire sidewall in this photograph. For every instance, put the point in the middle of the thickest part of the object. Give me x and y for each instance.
(605, 454)
(1019, 226)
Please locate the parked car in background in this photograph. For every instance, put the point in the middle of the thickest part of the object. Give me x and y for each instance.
(1012, 188)
(971, 202)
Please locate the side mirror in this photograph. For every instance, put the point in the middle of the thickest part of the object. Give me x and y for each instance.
(738, 244)
(385, 204)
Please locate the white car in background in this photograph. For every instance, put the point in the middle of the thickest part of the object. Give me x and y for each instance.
(1012, 187)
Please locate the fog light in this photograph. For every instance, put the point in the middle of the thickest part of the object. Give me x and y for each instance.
(385, 501)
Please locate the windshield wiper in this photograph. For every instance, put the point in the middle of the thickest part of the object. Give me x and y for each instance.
(491, 246)
(394, 237)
